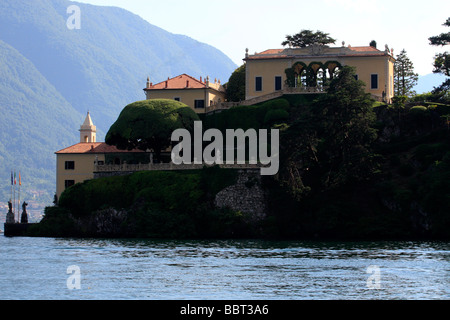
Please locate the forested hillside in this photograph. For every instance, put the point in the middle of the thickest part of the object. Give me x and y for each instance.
(52, 75)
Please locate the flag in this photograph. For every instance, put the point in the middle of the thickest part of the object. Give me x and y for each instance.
(20, 181)
(14, 177)
(12, 181)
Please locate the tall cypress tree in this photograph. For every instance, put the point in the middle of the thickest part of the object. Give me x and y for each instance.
(404, 77)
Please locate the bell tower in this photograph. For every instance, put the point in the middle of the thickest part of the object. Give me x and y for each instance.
(88, 130)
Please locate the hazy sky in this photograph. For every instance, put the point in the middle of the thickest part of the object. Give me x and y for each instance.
(233, 25)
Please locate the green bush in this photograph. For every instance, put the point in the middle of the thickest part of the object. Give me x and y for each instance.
(174, 204)
(276, 104)
(276, 115)
(418, 109)
(57, 222)
(247, 117)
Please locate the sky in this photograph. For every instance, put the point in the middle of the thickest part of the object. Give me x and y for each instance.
(234, 25)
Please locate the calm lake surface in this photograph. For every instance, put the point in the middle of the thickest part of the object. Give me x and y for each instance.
(45, 268)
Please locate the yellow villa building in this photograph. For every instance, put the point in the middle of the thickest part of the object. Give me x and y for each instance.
(76, 163)
(201, 95)
(305, 70)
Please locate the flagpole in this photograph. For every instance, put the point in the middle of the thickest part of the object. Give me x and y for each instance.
(12, 183)
(14, 206)
(18, 202)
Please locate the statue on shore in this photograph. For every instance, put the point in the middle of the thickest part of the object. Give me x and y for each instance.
(24, 217)
(10, 214)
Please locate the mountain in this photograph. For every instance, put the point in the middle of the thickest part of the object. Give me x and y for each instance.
(427, 82)
(36, 120)
(53, 75)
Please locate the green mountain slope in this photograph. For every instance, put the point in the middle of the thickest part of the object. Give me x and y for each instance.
(36, 120)
(104, 65)
(51, 76)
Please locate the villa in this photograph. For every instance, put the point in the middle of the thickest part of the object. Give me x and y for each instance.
(310, 69)
(76, 163)
(199, 94)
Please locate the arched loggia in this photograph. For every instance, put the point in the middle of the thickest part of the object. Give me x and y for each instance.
(315, 74)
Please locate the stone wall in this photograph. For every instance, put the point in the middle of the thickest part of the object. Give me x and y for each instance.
(247, 195)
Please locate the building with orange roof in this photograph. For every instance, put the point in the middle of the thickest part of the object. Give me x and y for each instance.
(199, 94)
(310, 69)
(76, 163)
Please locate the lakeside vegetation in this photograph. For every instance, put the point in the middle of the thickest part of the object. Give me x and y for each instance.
(375, 171)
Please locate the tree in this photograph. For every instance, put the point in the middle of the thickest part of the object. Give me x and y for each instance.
(404, 77)
(345, 117)
(149, 124)
(306, 38)
(235, 87)
(329, 144)
(442, 60)
(373, 43)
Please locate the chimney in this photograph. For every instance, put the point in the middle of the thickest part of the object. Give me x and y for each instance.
(148, 82)
(201, 79)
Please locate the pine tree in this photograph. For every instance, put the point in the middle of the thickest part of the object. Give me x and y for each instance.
(307, 38)
(442, 60)
(404, 77)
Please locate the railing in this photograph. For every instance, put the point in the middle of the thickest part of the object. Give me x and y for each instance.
(125, 167)
(305, 90)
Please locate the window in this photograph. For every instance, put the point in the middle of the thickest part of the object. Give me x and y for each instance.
(69, 183)
(199, 104)
(177, 99)
(70, 165)
(258, 84)
(277, 83)
(356, 77)
(374, 81)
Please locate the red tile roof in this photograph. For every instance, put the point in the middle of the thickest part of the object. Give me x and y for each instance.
(364, 49)
(271, 51)
(335, 51)
(93, 148)
(180, 82)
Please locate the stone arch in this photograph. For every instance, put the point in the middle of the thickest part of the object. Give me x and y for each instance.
(313, 69)
(299, 74)
(332, 67)
(322, 78)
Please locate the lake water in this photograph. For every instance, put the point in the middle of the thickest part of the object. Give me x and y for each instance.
(73, 269)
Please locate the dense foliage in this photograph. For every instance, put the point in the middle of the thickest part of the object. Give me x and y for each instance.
(442, 62)
(235, 88)
(149, 124)
(306, 38)
(328, 144)
(158, 204)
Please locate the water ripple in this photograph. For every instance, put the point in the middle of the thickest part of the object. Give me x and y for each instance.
(222, 269)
